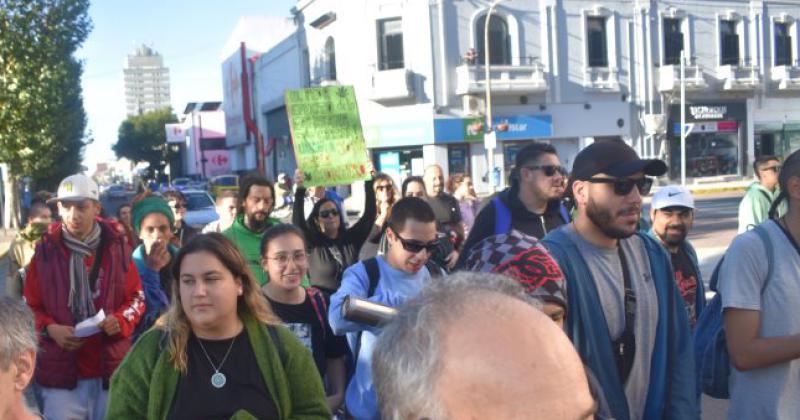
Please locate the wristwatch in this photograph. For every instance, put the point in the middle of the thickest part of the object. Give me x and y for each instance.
(43, 333)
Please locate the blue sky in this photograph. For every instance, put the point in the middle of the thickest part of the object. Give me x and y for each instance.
(189, 34)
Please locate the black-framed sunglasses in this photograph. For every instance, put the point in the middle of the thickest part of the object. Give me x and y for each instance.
(624, 186)
(324, 214)
(549, 170)
(179, 206)
(386, 187)
(415, 246)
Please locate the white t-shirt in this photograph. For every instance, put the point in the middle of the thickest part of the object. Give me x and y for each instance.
(772, 392)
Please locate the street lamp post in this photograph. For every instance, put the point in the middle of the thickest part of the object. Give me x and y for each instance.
(490, 137)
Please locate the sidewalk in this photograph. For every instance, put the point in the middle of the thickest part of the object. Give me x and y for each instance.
(716, 185)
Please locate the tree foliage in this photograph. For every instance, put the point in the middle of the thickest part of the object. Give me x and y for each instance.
(142, 138)
(42, 120)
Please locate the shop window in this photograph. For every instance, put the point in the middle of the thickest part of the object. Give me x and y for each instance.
(597, 42)
(673, 41)
(390, 44)
(458, 159)
(783, 45)
(499, 40)
(729, 42)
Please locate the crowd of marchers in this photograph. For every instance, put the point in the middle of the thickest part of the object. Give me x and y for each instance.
(556, 298)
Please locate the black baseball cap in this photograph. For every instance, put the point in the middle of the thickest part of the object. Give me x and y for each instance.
(614, 158)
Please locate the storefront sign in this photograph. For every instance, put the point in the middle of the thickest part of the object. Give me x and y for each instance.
(521, 127)
(399, 134)
(175, 133)
(326, 129)
(704, 112)
(709, 127)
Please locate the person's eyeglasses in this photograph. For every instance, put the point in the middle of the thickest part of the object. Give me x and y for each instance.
(383, 188)
(624, 186)
(776, 168)
(549, 170)
(283, 258)
(324, 214)
(178, 206)
(415, 247)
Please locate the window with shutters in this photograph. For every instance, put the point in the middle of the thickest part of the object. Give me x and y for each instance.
(783, 44)
(673, 41)
(596, 41)
(499, 40)
(729, 39)
(390, 44)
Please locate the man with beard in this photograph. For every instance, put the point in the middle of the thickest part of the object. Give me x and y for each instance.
(448, 215)
(625, 315)
(531, 205)
(256, 201)
(672, 216)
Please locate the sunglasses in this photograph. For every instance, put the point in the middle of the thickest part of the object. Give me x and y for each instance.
(324, 214)
(383, 187)
(624, 186)
(776, 168)
(415, 247)
(549, 170)
(178, 206)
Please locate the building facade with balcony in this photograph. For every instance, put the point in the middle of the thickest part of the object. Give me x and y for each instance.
(567, 72)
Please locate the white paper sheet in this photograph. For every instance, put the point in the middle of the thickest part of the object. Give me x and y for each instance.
(88, 326)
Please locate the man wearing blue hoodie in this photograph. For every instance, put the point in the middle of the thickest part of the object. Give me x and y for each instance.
(395, 277)
(626, 316)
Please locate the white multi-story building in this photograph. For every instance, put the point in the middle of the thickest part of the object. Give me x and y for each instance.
(146, 81)
(567, 72)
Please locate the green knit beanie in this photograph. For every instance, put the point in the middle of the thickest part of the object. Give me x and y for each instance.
(152, 204)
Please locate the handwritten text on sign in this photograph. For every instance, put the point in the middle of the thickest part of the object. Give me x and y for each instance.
(327, 137)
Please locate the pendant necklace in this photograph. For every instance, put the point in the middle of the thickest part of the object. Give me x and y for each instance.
(218, 379)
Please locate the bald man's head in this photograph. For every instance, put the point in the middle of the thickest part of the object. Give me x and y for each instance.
(475, 346)
(434, 180)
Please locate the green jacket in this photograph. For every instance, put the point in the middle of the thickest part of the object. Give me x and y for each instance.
(249, 243)
(145, 383)
(754, 207)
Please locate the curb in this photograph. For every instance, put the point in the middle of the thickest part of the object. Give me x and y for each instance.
(716, 190)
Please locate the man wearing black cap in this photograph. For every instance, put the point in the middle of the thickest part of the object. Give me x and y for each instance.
(626, 315)
(531, 205)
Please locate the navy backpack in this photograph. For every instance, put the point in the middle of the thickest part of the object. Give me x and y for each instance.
(712, 360)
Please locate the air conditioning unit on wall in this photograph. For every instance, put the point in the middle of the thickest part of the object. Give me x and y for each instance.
(473, 105)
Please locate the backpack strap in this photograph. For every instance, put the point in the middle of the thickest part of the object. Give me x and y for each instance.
(502, 217)
(562, 210)
(373, 274)
(320, 306)
(764, 235)
(276, 339)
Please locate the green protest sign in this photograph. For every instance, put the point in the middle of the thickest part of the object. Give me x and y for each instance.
(326, 133)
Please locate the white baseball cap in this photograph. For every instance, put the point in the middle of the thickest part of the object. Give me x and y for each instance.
(672, 196)
(76, 187)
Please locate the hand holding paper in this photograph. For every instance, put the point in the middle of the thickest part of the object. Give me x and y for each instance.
(90, 326)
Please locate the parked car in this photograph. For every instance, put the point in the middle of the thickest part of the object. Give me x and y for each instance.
(116, 191)
(220, 183)
(180, 184)
(200, 209)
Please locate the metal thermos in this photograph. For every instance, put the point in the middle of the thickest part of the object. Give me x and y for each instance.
(366, 312)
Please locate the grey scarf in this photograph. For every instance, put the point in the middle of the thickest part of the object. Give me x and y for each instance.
(80, 293)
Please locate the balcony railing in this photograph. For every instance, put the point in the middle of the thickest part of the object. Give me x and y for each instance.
(530, 78)
(669, 78)
(743, 77)
(787, 77)
(391, 85)
(601, 79)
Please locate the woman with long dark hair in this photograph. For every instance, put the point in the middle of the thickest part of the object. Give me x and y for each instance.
(219, 351)
(331, 246)
(386, 195)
